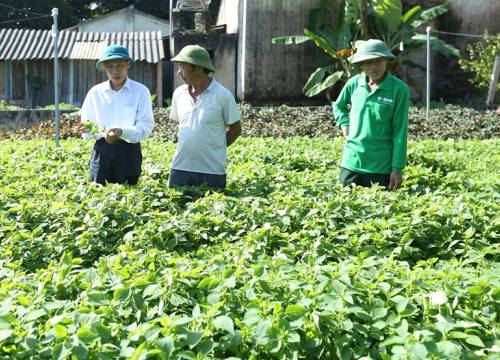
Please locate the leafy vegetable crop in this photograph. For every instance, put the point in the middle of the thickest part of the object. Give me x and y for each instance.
(285, 264)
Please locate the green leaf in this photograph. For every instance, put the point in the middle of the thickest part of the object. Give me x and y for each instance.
(224, 323)
(33, 315)
(80, 351)
(60, 331)
(86, 335)
(379, 312)
(290, 40)
(418, 352)
(327, 83)
(323, 41)
(449, 349)
(260, 334)
(474, 340)
(193, 338)
(389, 12)
(429, 14)
(437, 45)
(205, 346)
(5, 334)
(411, 14)
(296, 311)
(167, 346)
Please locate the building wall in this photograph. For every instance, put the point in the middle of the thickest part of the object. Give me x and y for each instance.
(474, 17)
(222, 49)
(125, 22)
(269, 71)
(228, 15)
(33, 81)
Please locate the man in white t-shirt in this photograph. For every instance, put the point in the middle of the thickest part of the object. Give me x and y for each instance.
(209, 122)
(119, 114)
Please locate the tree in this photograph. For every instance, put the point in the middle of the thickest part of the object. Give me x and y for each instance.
(335, 29)
(34, 14)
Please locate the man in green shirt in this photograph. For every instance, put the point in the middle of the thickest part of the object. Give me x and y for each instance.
(372, 112)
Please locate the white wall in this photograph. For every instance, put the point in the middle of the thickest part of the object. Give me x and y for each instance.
(125, 22)
(228, 15)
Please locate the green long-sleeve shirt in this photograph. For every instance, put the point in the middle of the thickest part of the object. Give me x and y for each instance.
(378, 124)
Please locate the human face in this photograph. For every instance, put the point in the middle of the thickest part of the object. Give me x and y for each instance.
(187, 72)
(375, 69)
(117, 71)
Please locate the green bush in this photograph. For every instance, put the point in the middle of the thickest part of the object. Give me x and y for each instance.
(285, 264)
(481, 59)
(62, 106)
(4, 105)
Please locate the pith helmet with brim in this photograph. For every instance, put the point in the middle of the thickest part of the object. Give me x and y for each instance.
(112, 53)
(194, 55)
(369, 50)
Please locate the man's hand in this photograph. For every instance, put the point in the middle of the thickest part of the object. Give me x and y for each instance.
(395, 180)
(113, 135)
(345, 130)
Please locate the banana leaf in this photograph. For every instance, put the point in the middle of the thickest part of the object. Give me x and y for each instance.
(429, 14)
(437, 44)
(317, 83)
(389, 13)
(290, 40)
(411, 14)
(323, 40)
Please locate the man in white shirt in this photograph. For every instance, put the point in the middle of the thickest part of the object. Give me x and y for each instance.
(209, 122)
(121, 114)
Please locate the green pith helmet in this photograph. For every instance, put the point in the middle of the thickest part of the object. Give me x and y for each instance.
(194, 55)
(113, 52)
(369, 50)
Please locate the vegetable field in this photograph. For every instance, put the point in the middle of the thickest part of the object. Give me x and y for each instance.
(286, 264)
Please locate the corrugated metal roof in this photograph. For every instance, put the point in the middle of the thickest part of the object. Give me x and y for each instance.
(25, 44)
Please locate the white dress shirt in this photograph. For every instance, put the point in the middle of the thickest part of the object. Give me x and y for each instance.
(202, 128)
(129, 109)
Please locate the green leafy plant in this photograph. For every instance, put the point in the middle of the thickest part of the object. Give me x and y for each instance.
(285, 264)
(4, 105)
(359, 20)
(481, 59)
(62, 106)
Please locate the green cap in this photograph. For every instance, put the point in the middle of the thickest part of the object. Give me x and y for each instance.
(113, 52)
(369, 50)
(194, 55)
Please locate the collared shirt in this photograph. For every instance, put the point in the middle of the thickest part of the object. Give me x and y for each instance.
(129, 109)
(202, 128)
(378, 124)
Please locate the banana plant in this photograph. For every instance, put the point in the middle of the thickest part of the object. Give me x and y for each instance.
(359, 20)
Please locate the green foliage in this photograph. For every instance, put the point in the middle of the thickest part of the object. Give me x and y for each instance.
(62, 106)
(481, 59)
(285, 264)
(359, 20)
(4, 105)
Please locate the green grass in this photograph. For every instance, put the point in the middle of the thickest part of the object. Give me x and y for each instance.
(285, 264)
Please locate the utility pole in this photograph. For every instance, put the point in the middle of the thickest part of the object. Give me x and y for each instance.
(428, 30)
(55, 36)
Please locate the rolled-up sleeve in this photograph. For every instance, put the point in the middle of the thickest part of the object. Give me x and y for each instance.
(144, 123)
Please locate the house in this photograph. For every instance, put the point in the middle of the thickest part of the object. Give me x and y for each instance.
(124, 20)
(27, 66)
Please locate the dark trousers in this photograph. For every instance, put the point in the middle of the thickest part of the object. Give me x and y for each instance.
(190, 178)
(348, 177)
(118, 163)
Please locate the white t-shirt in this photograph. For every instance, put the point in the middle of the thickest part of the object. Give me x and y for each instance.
(129, 109)
(202, 128)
